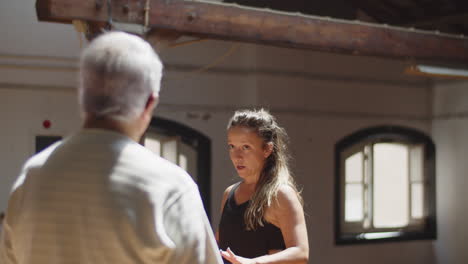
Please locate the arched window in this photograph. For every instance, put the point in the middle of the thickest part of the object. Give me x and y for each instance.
(385, 186)
(185, 147)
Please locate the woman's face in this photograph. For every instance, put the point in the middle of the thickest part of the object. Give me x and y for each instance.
(247, 151)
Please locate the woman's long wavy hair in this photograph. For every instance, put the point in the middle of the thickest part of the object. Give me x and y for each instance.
(275, 172)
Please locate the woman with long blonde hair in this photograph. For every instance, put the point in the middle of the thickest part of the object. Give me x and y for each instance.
(262, 216)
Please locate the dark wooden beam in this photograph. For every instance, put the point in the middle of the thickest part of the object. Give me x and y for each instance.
(227, 22)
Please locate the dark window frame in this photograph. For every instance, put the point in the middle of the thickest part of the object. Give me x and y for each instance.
(387, 134)
(42, 142)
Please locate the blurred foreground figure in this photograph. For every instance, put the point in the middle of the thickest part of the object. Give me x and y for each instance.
(98, 196)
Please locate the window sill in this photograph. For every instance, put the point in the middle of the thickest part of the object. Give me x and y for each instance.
(371, 238)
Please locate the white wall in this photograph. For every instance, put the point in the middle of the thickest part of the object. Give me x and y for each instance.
(22, 112)
(450, 133)
(317, 97)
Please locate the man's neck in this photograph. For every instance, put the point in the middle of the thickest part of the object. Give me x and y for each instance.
(130, 129)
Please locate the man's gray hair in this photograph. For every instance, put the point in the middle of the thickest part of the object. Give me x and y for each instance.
(118, 73)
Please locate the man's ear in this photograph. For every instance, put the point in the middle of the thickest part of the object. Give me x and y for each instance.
(268, 149)
(151, 103)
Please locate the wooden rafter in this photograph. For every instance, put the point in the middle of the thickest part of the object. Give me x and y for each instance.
(232, 22)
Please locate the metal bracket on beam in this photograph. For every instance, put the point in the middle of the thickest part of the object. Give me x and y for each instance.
(99, 4)
(130, 28)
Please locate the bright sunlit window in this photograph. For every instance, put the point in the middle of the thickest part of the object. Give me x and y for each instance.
(385, 186)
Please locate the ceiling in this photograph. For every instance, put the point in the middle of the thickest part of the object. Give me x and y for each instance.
(449, 16)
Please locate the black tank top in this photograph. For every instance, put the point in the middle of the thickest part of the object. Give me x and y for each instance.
(248, 244)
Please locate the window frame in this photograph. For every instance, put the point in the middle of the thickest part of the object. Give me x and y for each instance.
(351, 144)
(201, 144)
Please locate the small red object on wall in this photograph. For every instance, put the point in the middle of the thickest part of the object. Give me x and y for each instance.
(46, 124)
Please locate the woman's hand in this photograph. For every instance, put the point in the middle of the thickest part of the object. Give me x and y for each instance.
(231, 257)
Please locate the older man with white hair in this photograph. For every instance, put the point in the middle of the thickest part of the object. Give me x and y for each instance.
(98, 196)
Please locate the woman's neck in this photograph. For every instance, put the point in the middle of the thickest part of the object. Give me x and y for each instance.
(249, 186)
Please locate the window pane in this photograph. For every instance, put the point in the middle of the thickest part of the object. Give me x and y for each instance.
(190, 156)
(353, 168)
(169, 150)
(154, 145)
(183, 161)
(416, 163)
(353, 203)
(417, 200)
(391, 198)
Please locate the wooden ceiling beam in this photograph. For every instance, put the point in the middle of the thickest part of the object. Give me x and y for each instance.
(232, 22)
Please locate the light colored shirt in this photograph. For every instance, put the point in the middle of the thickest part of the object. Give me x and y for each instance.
(98, 197)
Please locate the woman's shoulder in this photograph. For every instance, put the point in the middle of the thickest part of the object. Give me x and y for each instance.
(229, 189)
(287, 190)
(287, 195)
(227, 192)
(286, 204)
